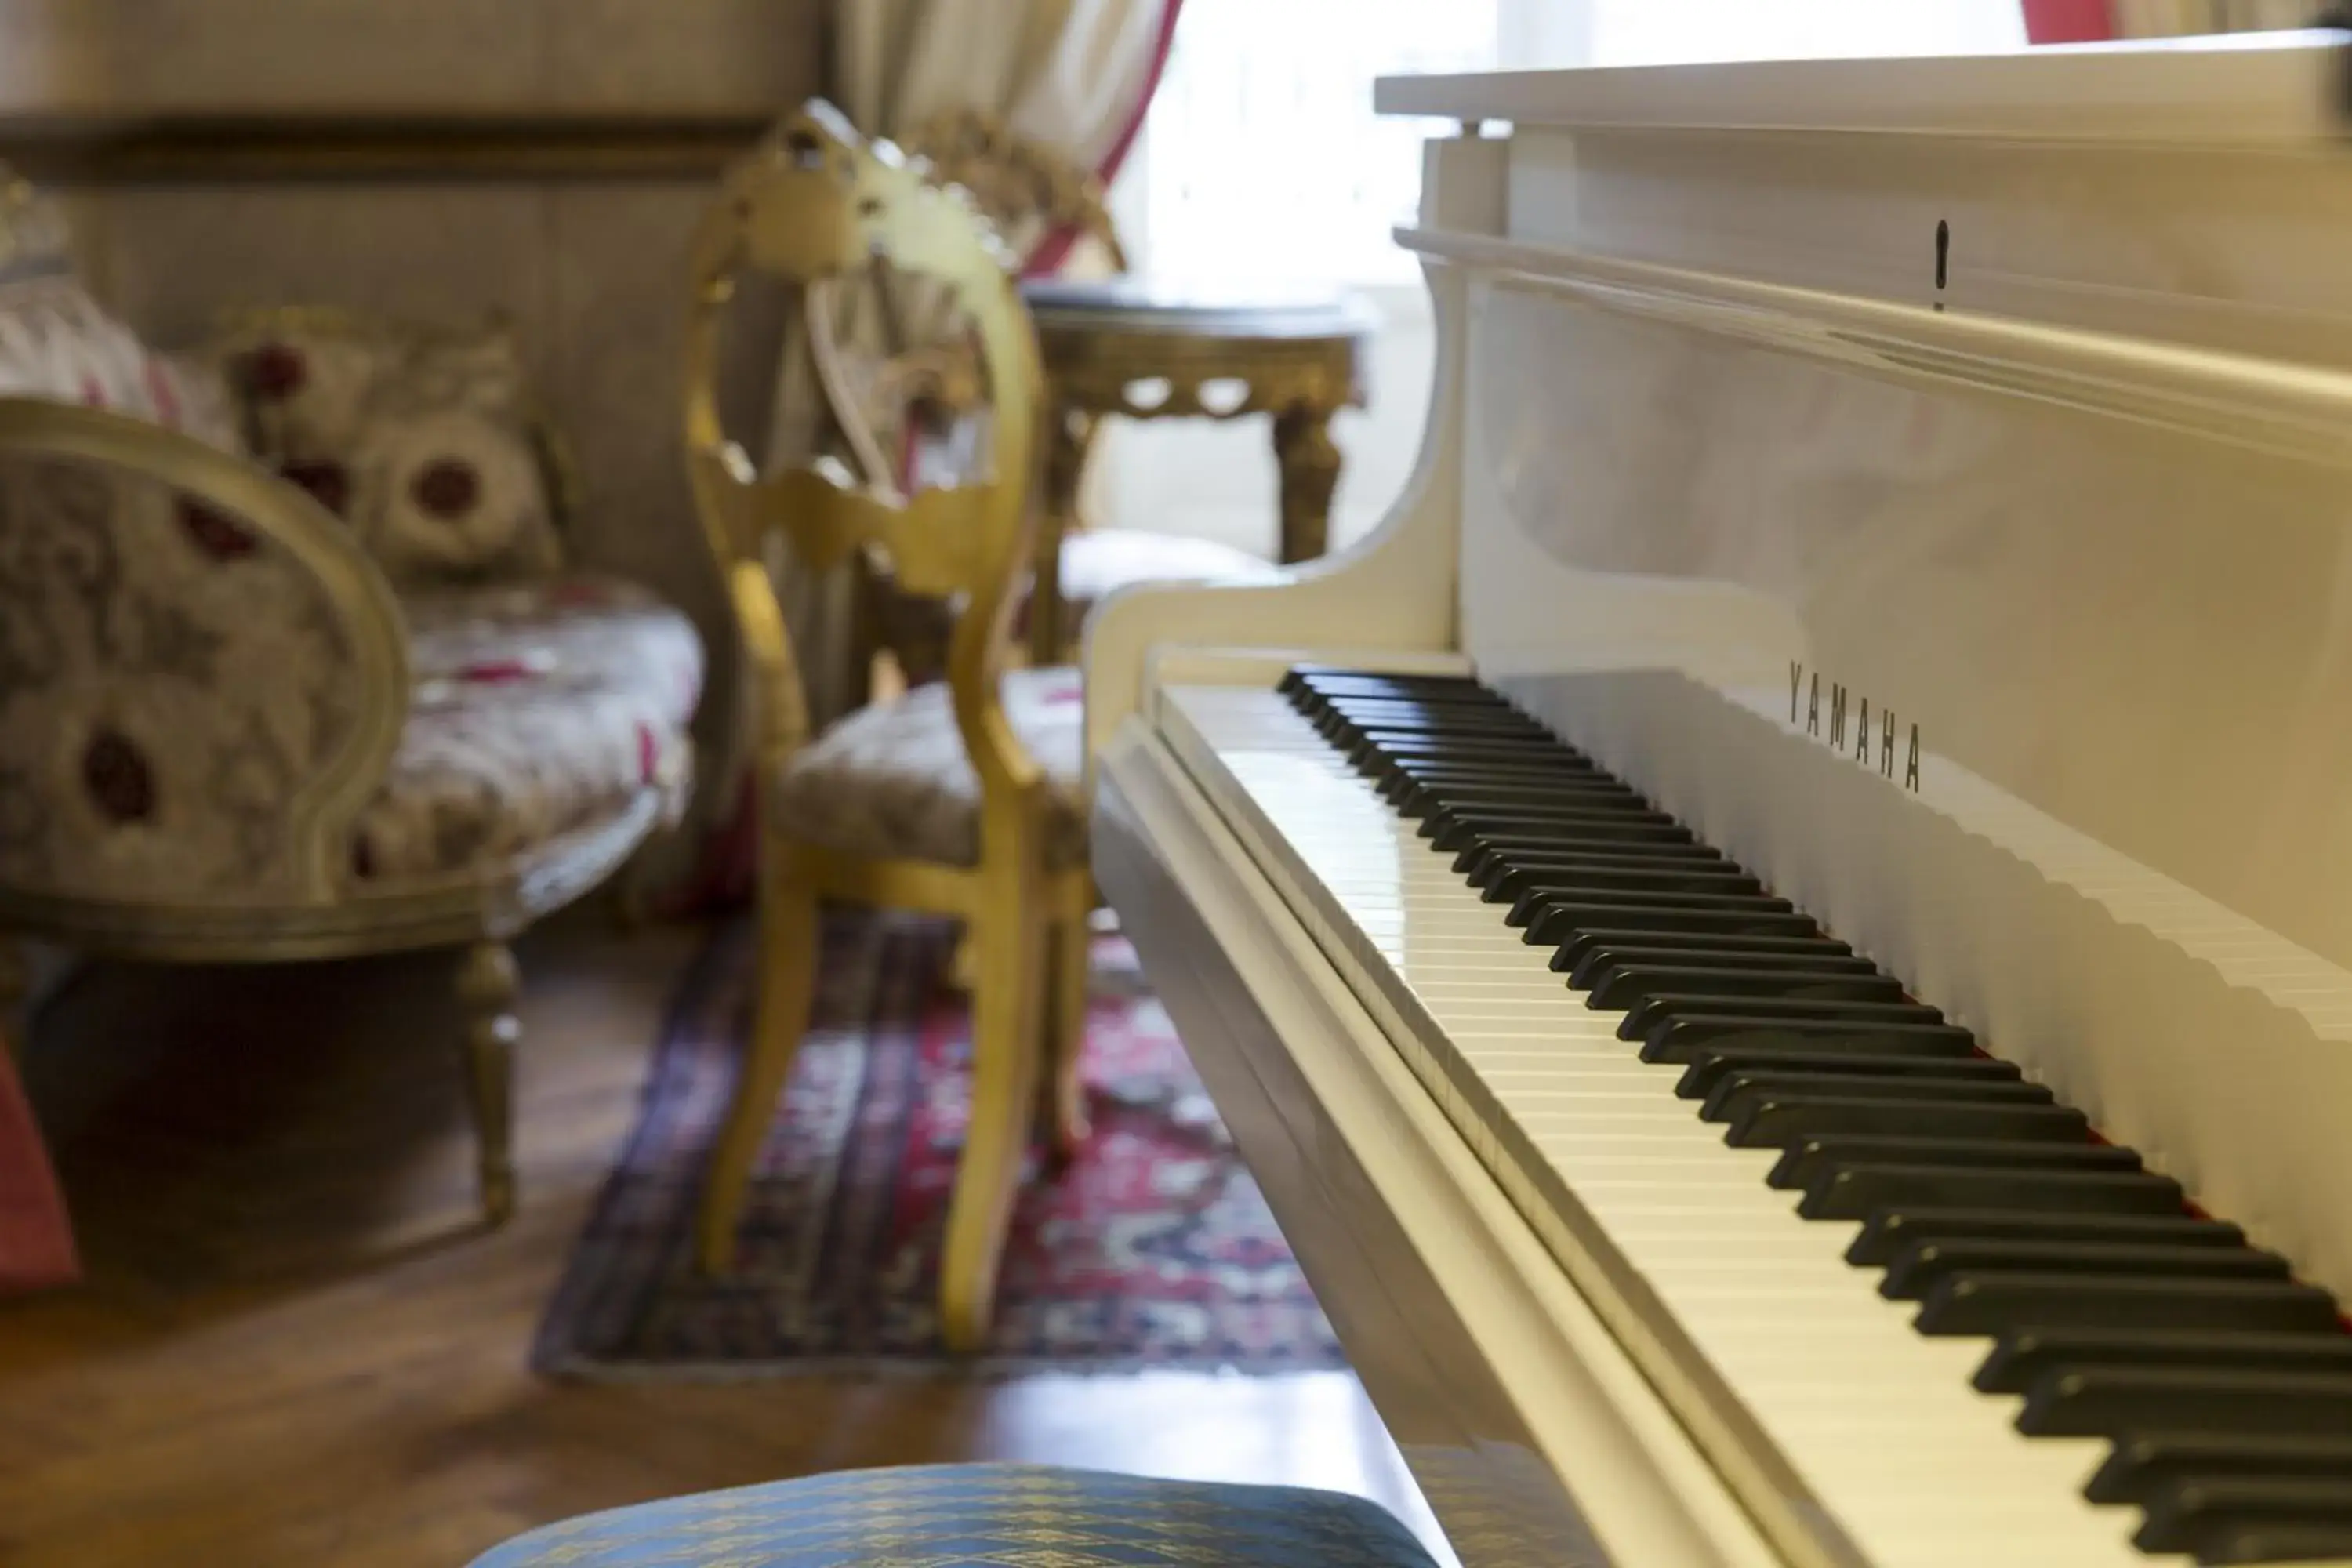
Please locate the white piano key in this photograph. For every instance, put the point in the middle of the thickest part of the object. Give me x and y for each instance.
(1879, 1422)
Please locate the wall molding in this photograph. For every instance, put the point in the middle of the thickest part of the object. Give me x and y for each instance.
(212, 148)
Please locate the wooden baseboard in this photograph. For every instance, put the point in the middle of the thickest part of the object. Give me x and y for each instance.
(238, 149)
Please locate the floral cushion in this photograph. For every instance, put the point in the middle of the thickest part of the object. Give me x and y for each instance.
(171, 681)
(893, 780)
(980, 1516)
(424, 441)
(540, 709)
(59, 344)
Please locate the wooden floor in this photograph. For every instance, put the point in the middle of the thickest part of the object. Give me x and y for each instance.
(294, 1348)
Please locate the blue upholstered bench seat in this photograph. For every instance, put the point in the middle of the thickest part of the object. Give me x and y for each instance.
(977, 1516)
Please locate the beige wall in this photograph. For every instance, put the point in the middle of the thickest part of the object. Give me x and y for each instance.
(404, 54)
(589, 267)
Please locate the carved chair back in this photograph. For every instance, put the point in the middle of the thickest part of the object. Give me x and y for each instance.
(1029, 191)
(835, 219)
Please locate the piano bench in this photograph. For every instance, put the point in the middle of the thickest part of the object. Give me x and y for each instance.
(954, 1515)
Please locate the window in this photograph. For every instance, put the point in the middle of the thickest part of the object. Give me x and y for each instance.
(1644, 32)
(1262, 167)
(1262, 163)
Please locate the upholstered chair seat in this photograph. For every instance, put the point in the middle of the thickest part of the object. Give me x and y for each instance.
(978, 1516)
(893, 780)
(538, 711)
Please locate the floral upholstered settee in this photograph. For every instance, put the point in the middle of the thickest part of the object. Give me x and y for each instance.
(292, 660)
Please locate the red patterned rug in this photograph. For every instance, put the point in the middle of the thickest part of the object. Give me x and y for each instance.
(1153, 1249)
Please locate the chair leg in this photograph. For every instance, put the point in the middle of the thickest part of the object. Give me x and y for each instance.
(1061, 1103)
(486, 986)
(788, 943)
(1007, 1012)
(963, 966)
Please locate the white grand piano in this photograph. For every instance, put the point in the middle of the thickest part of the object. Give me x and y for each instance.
(1918, 493)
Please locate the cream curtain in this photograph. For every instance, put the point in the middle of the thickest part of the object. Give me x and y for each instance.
(1066, 74)
(1063, 73)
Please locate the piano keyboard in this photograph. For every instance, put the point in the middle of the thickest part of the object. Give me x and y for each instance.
(1805, 1200)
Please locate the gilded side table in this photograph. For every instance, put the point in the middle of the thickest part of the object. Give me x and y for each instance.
(1110, 347)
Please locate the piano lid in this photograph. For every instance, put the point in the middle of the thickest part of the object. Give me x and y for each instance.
(2241, 90)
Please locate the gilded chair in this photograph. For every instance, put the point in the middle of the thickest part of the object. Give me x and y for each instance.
(960, 798)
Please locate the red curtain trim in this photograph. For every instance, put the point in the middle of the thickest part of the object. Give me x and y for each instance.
(2068, 21)
(1048, 258)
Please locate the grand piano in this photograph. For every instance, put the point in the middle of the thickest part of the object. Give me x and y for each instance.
(1779, 936)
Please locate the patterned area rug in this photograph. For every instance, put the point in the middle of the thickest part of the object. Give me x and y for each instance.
(1153, 1249)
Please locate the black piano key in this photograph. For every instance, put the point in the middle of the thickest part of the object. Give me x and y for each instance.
(1493, 853)
(1805, 1160)
(1778, 1120)
(1416, 799)
(1331, 680)
(1447, 828)
(2146, 1462)
(1679, 1038)
(2111, 1401)
(1454, 828)
(1531, 907)
(1887, 1231)
(1914, 1271)
(1978, 1302)
(1484, 868)
(1621, 873)
(1579, 843)
(1600, 962)
(2249, 1518)
(1632, 985)
(1572, 952)
(1885, 1112)
(1377, 756)
(1338, 714)
(1737, 1095)
(2232, 1540)
(1563, 801)
(1433, 701)
(1373, 747)
(1399, 773)
(1857, 1191)
(1712, 1068)
(1514, 797)
(2020, 1358)
(1527, 887)
(1660, 1007)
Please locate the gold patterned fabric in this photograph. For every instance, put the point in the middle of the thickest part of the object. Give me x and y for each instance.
(540, 709)
(894, 780)
(170, 680)
(423, 441)
(978, 1516)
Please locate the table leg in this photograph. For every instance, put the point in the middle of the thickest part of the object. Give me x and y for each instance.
(1310, 463)
(1067, 438)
